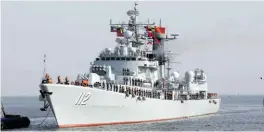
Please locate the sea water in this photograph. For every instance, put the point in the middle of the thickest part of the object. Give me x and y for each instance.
(237, 113)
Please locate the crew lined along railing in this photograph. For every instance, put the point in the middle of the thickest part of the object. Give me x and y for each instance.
(129, 90)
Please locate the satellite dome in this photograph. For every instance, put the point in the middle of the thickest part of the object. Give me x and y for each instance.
(175, 75)
(128, 34)
(189, 76)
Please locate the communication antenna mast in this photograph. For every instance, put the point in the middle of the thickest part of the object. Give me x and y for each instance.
(135, 21)
(133, 14)
(169, 58)
(45, 69)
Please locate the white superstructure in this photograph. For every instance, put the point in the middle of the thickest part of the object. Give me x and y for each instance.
(128, 84)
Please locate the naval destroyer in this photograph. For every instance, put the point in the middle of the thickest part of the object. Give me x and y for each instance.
(130, 84)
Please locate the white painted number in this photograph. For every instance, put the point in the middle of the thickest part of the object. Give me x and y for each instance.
(83, 98)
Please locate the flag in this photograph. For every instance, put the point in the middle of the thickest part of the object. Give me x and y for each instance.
(149, 28)
(150, 35)
(119, 32)
(160, 30)
(113, 29)
(156, 40)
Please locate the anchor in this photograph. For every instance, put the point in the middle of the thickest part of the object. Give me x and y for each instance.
(46, 104)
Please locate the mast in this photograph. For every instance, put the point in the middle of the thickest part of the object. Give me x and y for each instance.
(135, 21)
(159, 50)
(133, 25)
(168, 60)
(159, 36)
(44, 71)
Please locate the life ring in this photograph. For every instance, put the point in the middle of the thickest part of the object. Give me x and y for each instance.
(182, 101)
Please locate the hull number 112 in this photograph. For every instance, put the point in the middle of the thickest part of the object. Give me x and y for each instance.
(83, 99)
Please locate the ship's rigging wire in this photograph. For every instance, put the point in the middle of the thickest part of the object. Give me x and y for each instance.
(44, 72)
(44, 118)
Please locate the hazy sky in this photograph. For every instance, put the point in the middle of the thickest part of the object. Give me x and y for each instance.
(226, 39)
